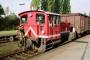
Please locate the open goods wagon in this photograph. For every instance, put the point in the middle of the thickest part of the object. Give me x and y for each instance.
(79, 21)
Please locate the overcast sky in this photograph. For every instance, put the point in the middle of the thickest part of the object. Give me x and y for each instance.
(81, 6)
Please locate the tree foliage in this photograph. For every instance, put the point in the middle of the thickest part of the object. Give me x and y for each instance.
(60, 6)
(66, 6)
(85, 14)
(1, 13)
(35, 3)
(8, 22)
(50, 5)
(44, 4)
(56, 6)
(47, 5)
(11, 22)
(1, 10)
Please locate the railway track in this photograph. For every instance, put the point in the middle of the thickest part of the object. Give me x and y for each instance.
(19, 55)
(3, 41)
(7, 41)
(8, 38)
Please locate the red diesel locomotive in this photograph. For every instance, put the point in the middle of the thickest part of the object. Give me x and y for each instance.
(41, 30)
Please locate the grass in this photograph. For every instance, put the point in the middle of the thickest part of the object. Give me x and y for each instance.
(8, 47)
(8, 32)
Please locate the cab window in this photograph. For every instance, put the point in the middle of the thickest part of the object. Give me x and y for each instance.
(56, 20)
(24, 19)
(40, 18)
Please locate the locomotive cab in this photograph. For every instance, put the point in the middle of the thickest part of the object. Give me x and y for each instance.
(39, 24)
(33, 23)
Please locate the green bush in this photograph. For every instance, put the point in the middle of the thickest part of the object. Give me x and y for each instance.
(9, 22)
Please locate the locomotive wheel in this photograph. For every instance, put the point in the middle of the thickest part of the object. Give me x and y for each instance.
(20, 44)
(42, 47)
(28, 43)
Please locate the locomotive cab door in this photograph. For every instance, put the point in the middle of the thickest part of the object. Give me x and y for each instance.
(50, 21)
(54, 26)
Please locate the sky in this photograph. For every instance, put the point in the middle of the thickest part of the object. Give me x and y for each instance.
(77, 6)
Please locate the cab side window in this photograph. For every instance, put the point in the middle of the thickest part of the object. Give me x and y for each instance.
(56, 20)
(24, 19)
(40, 18)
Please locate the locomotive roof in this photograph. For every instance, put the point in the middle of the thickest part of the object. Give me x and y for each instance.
(39, 11)
(52, 13)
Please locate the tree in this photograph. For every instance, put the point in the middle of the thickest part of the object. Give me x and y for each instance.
(1, 10)
(1, 18)
(61, 6)
(66, 6)
(8, 22)
(11, 22)
(35, 4)
(50, 6)
(85, 14)
(56, 6)
(44, 5)
(47, 5)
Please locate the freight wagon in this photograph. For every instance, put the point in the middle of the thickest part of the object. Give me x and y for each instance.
(79, 21)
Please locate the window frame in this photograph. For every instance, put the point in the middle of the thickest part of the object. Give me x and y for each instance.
(25, 22)
(57, 20)
(37, 18)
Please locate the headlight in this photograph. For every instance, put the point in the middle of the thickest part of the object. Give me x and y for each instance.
(43, 32)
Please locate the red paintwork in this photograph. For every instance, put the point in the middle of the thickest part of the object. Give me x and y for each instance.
(56, 29)
(65, 26)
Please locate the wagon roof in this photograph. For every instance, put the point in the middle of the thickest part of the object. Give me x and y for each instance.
(39, 11)
(74, 14)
